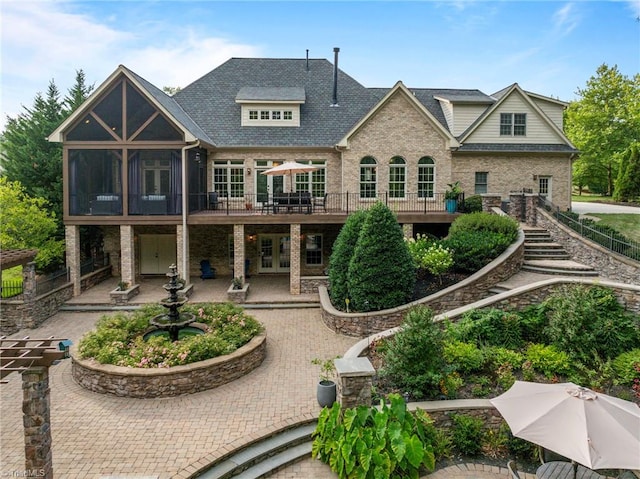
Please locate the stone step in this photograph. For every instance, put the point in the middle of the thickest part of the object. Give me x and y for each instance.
(546, 254)
(536, 233)
(542, 245)
(558, 267)
(264, 456)
(537, 239)
(497, 289)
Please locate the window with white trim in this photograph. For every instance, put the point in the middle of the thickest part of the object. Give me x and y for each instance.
(426, 177)
(397, 177)
(513, 124)
(253, 114)
(368, 177)
(482, 182)
(313, 249)
(228, 178)
(276, 114)
(287, 115)
(313, 181)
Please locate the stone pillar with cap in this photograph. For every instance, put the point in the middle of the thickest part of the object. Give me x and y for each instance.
(355, 379)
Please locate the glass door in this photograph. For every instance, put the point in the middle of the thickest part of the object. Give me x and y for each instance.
(266, 185)
(275, 253)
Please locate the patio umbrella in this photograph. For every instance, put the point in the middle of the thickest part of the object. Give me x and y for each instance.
(592, 429)
(289, 168)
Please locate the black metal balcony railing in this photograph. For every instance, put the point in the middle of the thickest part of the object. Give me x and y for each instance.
(331, 203)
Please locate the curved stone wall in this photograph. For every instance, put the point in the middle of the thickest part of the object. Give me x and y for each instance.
(471, 289)
(167, 382)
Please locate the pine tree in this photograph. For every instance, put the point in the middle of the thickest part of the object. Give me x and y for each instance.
(382, 273)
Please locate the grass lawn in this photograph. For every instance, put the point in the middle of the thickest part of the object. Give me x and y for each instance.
(627, 224)
(585, 198)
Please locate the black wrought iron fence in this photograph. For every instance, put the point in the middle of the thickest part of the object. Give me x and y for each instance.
(603, 235)
(52, 281)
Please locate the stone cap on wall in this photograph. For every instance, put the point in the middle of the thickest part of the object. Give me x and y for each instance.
(353, 367)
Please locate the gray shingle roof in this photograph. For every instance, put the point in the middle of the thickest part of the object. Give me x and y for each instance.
(256, 93)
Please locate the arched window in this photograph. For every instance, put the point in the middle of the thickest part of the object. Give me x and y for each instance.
(426, 177)
(397, 177)
(368, 178)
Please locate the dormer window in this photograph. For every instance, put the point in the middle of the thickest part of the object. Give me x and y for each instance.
(270, 106)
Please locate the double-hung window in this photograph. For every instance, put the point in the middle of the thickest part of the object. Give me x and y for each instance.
(397, 177)
(482, 181)
(426, 177)
(313, 181)
(513, 124)
(228, 178)
(368, 178)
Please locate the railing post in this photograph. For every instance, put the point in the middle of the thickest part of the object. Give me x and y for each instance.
(347, 203)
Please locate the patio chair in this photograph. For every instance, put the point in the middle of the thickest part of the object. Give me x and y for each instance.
(513, 471)
(627, 474)
(212, 200)
(320, 202)
(545, 455)
(207, 271)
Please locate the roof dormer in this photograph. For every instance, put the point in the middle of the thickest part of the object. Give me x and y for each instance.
(270, 106)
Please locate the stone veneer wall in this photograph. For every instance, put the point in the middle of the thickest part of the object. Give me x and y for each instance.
(19, 314)
(608, 264)
(167, 382)
(467, 291)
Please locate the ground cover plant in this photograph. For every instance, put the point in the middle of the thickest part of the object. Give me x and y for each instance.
(118, 338)
(579, 333)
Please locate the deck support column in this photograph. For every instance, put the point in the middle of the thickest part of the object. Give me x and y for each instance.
(182, 243)
(72, 240)
(294, 270)
(127, 255)
(238, 252)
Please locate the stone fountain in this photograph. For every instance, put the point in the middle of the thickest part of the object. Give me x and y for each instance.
(173, 321)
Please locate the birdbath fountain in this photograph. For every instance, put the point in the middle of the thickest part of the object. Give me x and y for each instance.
(173, 321)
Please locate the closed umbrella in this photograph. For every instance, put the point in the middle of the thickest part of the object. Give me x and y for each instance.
(289, 168)
(590, 428)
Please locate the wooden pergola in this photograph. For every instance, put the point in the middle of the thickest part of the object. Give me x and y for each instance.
(18, 355)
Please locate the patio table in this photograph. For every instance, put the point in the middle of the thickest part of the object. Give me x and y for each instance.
(564, 470)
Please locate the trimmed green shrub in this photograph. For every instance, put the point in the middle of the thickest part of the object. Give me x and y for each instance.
(627, 367)
(467, 432)
(381, 271)
(486, 222)
(488, 327)
(548, 360)
(341, 256)
(413, 358)
(473, 250)
(366, 442)
(472, 204)
(463, 357)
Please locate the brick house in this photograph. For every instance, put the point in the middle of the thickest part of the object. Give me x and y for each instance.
(178, 179)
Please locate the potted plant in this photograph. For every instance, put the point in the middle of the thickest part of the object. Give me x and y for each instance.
(237, 283)
(326, 390)
(451, 196)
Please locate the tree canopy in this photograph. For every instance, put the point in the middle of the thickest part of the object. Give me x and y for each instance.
(26, 223)
(603, 124)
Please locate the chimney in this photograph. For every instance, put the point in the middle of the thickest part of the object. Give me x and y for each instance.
(307, 59)
(336, 50)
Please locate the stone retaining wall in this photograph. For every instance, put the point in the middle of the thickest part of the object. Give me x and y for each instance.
(167, 382)
(608, 264)
(311, 284)
(90, 280)
(20, 314)
(471, 289)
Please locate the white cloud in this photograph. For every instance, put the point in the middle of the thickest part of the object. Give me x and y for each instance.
(43, 40)
(566, 19)
(634, 6)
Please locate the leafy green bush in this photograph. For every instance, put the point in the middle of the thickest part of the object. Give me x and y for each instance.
(472, 204)
(467, 432)
(626, 367)
(463, 357)
(488, 327)
(381, 271)
(473, 250)
(437, 260)
(533, 321)
(413, 358)
(548, 360)
(584, 320)
(118, 339)
(341, 255)
(497, 356)
(367, 442)
(480, 221)
(418, 247)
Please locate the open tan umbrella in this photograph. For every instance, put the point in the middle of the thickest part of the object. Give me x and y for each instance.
(289, 168)
(593, 429)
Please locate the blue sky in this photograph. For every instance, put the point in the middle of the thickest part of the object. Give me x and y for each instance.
(548, 47)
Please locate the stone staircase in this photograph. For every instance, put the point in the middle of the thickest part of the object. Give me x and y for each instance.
(542, 255)
(265, 456)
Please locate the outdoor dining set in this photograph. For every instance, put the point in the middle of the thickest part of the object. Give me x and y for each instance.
(588, 431)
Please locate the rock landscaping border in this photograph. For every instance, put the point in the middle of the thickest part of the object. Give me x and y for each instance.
(168, 382)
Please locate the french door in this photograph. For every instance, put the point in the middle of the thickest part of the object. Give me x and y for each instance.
(275, 253)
